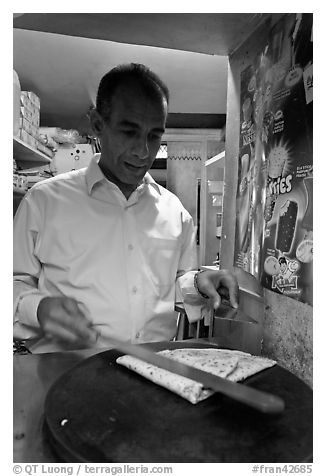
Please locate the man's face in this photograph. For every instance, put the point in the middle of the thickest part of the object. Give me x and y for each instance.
(130, 139)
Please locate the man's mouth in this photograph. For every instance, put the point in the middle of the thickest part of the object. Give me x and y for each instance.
(134, 167)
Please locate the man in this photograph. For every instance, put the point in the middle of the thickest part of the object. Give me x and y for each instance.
(98, 251)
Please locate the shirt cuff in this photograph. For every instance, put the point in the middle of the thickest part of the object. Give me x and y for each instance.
(196, 306)
(27, 309)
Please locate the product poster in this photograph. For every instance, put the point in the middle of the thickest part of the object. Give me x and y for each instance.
(247, 247)
(274, 227)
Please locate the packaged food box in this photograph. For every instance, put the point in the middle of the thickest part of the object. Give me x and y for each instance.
(28, 127)
(16, 103)
(27, 138)
(32, 116)
(20, 182)
(15, 180)
(31, 97)
(26, 102)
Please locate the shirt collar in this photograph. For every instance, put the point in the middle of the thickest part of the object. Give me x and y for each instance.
(148, 180)
(94, 175)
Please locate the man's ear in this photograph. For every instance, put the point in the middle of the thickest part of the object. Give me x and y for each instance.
(97, 122)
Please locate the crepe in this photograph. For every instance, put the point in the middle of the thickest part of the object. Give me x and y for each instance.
(231, 364)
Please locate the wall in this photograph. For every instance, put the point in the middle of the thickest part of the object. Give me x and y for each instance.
(183, 170)
(287, 323)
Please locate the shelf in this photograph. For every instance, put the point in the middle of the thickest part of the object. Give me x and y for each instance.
(25, 153)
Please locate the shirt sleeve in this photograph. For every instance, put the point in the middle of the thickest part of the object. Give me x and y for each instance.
(26, 268)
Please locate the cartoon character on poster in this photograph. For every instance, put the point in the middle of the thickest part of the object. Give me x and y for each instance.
(286, 277)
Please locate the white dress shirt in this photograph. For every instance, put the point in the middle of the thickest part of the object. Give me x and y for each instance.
(77, 235)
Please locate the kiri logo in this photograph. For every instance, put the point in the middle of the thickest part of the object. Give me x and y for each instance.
(280, 185)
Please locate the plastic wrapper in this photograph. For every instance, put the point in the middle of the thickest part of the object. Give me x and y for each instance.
(61, 136)
(48, 141)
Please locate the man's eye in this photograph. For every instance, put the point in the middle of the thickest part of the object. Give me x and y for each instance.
(129, 132)
(155, 136)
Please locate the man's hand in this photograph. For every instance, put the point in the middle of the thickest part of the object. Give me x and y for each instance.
(218, 284)
(61, 319)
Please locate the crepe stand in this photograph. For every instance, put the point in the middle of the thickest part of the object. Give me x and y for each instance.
(101, 412)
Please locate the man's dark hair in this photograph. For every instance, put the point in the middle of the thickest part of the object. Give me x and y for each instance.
(151, 84)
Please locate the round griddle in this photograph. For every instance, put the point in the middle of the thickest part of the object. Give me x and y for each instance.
(102, 412)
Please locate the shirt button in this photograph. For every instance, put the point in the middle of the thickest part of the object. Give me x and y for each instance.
(130, 247)
(134, 289)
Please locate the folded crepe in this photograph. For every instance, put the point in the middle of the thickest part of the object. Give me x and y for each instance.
(231, 364)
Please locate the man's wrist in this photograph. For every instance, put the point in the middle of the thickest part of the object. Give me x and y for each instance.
(196, 284)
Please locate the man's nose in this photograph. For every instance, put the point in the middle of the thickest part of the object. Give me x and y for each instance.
(140, 148)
